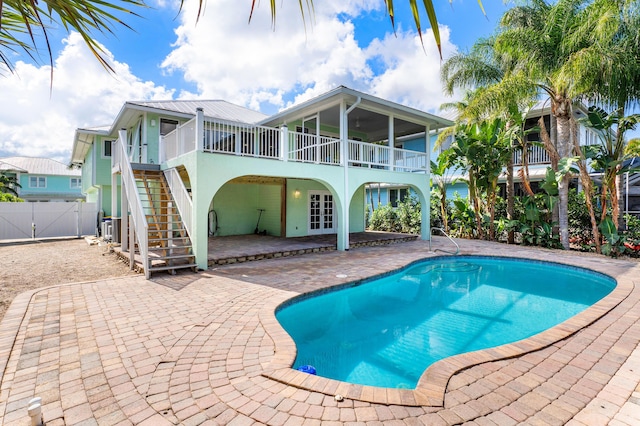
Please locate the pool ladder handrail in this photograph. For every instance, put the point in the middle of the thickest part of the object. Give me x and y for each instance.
(446, 235)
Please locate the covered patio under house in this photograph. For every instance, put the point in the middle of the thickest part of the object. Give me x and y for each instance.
(309, 165)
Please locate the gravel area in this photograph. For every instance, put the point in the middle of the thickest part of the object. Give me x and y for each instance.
(27, 266)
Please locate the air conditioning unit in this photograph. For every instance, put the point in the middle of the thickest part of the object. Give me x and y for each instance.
(107, 230)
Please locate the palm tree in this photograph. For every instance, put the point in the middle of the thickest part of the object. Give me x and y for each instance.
(483, 69)
(606, 69)
(8, 184)
(21, 21)
(531, 39)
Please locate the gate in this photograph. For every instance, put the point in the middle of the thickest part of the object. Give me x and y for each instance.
(46, 220)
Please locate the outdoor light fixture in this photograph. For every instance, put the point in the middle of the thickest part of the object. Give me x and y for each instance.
(296, 193)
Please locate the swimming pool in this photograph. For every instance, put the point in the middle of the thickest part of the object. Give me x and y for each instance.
(386, 332)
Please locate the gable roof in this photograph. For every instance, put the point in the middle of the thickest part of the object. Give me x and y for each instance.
(216, 108)
(37, 166)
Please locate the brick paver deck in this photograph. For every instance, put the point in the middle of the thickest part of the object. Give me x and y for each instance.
(194, 349)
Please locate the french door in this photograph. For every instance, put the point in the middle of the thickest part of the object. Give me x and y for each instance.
(322, 213)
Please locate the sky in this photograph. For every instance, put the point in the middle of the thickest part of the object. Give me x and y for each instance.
(224, 56)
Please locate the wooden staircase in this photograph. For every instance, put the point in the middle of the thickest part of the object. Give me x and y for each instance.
(170, 247)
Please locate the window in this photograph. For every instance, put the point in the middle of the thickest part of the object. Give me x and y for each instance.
(37, 182)
(106, 148)
(397, 195)
(167, 126)
(76, 183)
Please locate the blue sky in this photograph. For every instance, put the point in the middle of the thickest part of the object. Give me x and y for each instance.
(348, 43)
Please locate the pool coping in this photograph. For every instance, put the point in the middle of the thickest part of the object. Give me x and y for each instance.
(432, 385)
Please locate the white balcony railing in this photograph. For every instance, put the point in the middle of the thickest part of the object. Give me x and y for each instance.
(181, 198)
(307, 148)
(537, 155)
(241, 139)
(120, 160)
(249, 140)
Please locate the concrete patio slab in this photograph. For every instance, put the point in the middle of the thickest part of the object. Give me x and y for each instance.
(193, 349)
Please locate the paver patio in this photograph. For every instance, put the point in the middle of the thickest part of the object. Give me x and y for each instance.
(192, 349)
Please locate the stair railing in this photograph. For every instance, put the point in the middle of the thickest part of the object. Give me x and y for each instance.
(134, 203)
(181, 197)
(450, 239)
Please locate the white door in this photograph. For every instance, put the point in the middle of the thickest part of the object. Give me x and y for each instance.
(322, 213)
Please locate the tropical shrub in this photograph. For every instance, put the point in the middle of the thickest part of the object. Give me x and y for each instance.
(463, 219)
(9, 198)
(409, 214)
(404, 218)
(632, 235)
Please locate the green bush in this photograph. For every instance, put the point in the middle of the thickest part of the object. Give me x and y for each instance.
(9, 198)
(384, 218)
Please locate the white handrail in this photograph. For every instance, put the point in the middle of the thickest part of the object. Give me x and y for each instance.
(181, 197)
(450, 239)
(140, 224)
(251, 140)
(307, 148)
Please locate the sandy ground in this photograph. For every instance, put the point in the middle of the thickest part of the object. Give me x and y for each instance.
(25, 267)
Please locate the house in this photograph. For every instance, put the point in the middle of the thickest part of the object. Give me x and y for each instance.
(538, 159)
(43, 179)
(185, 170)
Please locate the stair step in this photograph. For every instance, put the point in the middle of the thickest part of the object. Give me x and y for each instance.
(170, 248)
(168, 268)
(155, 240)
(172, 257)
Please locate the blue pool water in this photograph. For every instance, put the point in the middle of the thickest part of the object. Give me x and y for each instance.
(386, 332)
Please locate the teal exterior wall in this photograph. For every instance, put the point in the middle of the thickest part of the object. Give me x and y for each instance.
(236, 206)
(57, 188)
(357, 221)
(102, 163)
(297, 206)
(153, 137)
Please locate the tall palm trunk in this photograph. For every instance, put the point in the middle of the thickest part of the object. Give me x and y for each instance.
(561, 109)
(510, 198)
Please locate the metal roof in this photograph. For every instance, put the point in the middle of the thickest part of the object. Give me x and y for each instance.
(219, 109)
(37, 166)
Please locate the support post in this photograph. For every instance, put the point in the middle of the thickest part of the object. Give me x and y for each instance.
(124, 220)
(199, 142)
(391, 144)
(425, 220)
(284, 142)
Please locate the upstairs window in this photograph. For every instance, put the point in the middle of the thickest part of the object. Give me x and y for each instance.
(76, 183)
(37, 182)
(167, 126)
(106, 148)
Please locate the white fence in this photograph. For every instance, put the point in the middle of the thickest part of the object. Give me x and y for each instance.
(47, 220)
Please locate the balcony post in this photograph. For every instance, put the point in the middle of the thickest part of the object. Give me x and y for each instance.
(284, 142)
(392, 147)
(199, 129)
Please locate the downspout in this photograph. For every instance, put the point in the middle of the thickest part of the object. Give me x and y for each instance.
(344, 130)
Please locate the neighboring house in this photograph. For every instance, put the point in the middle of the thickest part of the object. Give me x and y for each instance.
(43, 179)
(538, 158)
(304, 170)
(630, 188)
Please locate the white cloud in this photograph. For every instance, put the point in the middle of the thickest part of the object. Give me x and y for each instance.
(35, 121)
(411, 74)
(224, 57)
(269, 68)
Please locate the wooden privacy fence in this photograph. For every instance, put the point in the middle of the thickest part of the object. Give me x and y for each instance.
(47, 220)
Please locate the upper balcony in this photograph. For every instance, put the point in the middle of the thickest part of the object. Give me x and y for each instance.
(280, 144)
